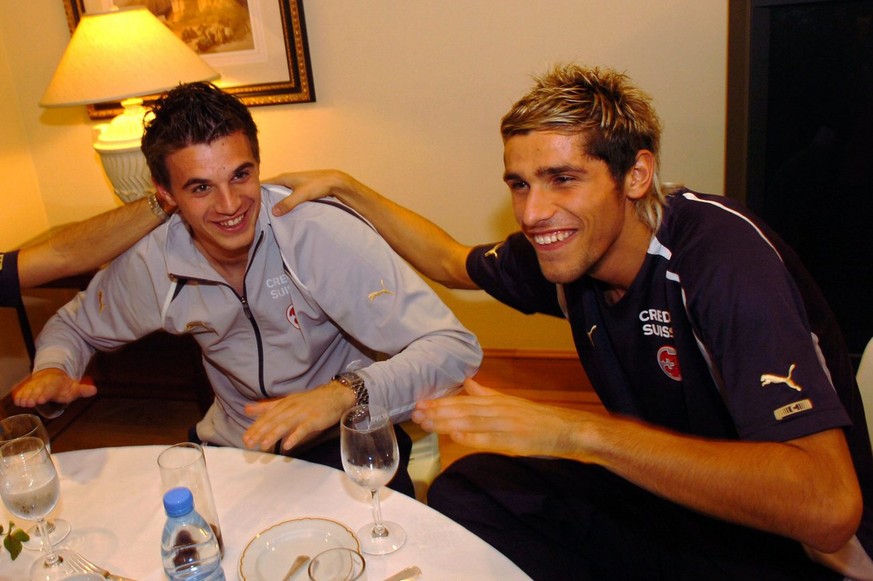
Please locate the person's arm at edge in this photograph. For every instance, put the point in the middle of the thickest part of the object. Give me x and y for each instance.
(86, 245)
(423, 244)
(121, 304)
(805, 489)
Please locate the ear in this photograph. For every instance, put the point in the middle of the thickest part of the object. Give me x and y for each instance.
(165, 195)
(638, 180)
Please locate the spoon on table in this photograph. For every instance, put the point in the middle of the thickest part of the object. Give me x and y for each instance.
(408, 574)
(298, 564)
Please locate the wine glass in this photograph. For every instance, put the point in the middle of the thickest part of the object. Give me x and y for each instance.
(24, 425)
(370, 458)
(30, 487)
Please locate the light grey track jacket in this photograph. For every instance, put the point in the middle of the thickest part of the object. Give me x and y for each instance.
(324, 294)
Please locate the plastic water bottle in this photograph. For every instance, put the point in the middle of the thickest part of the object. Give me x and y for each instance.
(189, 548)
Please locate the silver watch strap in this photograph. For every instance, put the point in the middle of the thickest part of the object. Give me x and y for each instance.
(156, 208)
(354, 382)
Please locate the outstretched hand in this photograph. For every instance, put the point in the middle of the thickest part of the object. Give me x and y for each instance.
(488, 419)
(295, 417)
(50, 385)
(307, 186)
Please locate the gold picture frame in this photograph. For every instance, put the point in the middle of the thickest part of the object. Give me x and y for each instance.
(252, 74)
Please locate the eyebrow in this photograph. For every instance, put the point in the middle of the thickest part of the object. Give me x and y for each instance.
(547, 171)
(199, 181)
(560, 169)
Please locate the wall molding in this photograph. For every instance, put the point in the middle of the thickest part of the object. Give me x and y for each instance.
(491, 353)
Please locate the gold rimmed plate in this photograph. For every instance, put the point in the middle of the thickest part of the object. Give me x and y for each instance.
(269, 554)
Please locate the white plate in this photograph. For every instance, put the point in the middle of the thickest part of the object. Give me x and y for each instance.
(271, 552)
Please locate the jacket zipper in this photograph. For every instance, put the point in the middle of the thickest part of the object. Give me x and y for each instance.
(248, 313)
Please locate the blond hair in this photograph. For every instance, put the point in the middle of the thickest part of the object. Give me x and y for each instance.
(615, 119)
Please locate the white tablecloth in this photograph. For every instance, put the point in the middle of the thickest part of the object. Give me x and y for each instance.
(111, 496)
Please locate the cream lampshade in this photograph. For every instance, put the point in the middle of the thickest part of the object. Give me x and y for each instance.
(122, 55)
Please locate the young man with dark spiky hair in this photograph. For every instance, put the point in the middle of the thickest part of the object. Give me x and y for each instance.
(298, 318)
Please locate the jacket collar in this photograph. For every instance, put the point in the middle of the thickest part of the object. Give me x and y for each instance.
(184, 259)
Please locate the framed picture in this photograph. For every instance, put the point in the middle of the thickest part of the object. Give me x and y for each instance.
(259, 46)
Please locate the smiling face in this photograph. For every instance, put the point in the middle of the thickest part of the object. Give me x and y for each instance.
(571, 210)
(216, 189)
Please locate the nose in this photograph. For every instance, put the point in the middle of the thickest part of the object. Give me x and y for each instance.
(227, 201)
(536, 207)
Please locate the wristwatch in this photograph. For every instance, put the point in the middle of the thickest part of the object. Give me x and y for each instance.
(354, 382)
(156, 208)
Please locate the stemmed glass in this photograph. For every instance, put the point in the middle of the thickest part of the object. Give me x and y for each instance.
(30, 488)
(23, 425)
(370, 458)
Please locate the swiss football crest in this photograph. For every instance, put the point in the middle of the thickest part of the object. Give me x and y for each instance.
(669, 362)
(291, 315)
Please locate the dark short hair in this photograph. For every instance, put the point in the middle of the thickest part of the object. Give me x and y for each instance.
(192, 114)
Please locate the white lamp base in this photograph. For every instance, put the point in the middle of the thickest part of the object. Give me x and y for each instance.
(118, 144)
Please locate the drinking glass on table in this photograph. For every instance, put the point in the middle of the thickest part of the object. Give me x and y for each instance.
(370, 458)
(338, 564)
(30, 487)
(185, 465)
(29, 425)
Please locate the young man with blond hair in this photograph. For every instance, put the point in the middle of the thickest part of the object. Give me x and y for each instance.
(735, 447)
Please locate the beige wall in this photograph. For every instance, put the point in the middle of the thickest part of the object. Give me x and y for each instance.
(409, 98)
(21, 207)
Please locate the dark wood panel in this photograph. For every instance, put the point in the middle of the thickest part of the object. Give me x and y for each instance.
(160, 403)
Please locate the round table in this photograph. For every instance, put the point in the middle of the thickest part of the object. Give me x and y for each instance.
(112, 498)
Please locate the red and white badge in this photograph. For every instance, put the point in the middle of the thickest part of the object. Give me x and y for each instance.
(669, 362)
(291, 315)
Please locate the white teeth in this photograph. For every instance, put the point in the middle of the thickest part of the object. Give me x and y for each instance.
(547, 239)
(232, 223)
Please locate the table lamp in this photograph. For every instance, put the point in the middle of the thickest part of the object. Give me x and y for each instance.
(122, 55)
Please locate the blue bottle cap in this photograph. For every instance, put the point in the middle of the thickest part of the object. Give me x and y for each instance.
(178, 501)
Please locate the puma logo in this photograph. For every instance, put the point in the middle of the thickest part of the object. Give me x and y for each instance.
(769, 378)
(201, 325)
(493, 251)
(372, 296)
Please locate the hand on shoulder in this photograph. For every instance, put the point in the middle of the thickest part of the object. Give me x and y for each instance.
(310, 185)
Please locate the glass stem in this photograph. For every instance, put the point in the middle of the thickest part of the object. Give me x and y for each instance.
(49, 526)
(51, 558)
(379, 529)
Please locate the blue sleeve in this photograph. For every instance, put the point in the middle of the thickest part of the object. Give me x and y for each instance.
(751, 316)
(10, 289)
(509, 272)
